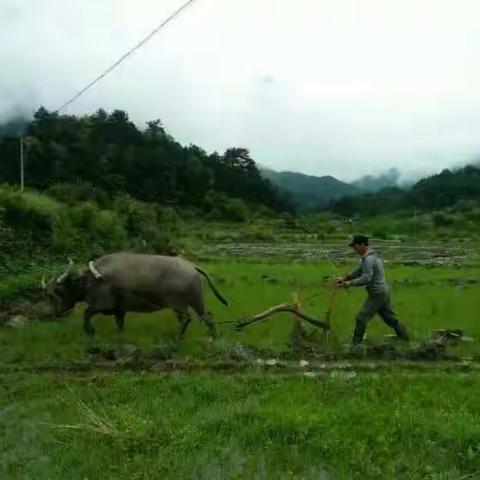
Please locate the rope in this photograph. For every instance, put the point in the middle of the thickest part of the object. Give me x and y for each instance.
(126, 55)
(226, 322)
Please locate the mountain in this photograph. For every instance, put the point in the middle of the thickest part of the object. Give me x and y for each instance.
(375, 183)
(308, 191)
(449, 189)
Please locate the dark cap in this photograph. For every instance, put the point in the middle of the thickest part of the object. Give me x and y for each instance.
(358, 240)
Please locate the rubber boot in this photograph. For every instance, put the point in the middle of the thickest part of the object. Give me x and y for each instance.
(402, 332)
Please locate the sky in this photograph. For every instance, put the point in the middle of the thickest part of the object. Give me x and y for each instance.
(324, 87)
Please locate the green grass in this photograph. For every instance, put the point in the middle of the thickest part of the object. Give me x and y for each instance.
(215, 427)
(106, 425)
(428, 301)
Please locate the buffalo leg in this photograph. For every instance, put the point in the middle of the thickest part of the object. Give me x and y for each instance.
(184, 318)
(199, 308)
(87, 325)
(208, 319)
(120, 321)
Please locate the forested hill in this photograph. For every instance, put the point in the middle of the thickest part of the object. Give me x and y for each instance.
(107, 152)
(443, 190)
(308, 191)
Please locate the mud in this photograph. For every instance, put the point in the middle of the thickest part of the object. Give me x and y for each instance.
(303, 356)
(347, 368)
(29, 311)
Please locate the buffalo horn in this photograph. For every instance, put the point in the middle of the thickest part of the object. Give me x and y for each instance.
(63, 277)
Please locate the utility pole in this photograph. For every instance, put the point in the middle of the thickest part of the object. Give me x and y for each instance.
(415, 221)
(22, 166)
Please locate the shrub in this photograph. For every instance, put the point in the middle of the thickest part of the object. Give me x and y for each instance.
(289, 221)
(262, 211)
(16, 213)
(380, 233)
(415, 226)
(441, 220)
(29, 214)
(74, 193)
(154, 227)
(233, 209)
(108, 230)
(473, 214)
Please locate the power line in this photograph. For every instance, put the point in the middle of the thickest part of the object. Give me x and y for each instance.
(126, 55)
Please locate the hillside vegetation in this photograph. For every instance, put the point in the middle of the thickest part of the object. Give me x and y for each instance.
(446, 189)
(34, 224)
(106, 154)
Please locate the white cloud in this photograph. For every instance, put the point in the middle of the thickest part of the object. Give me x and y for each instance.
(342, 87)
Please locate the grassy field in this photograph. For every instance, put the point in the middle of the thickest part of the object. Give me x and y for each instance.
(106, 426)
(99, 424)
(424, 298)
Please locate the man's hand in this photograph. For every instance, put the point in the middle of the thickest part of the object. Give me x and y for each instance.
(341, 282)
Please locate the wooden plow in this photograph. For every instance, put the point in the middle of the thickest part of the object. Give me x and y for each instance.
(294, 307)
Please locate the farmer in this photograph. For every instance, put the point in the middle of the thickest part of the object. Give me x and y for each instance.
(370, 274)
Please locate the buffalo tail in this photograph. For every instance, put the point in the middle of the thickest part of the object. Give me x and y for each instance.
(211, 285)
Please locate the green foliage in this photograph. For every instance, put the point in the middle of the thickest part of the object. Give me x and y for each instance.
(442, 219)
(33, 215)
(447, 187)
(459, 188)
(234, 209)
(97, 157)
(380, 233)
(154, 226)
(370, 204)
(74, 193)
(289, 221)
(43, 224)
(231, 209)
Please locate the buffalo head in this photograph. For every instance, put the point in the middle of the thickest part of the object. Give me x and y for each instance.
(63, 290)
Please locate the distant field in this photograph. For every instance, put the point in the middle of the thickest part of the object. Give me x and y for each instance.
(307, 248)
(393, 423)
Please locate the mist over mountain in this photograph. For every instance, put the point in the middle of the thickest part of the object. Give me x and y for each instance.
(375, 183)
(309, 191)
(13, 126)
(455, 190)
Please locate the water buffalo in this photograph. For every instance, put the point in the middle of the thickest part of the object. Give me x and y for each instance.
(127, 282)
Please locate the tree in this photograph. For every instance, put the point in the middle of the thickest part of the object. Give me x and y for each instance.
(107, 150)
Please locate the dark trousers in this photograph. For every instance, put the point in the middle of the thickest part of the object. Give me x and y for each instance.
(381, 304)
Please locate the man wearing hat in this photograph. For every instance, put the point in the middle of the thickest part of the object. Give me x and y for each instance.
(371, 274)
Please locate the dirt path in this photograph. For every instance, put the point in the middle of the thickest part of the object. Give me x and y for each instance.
(342, 369)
